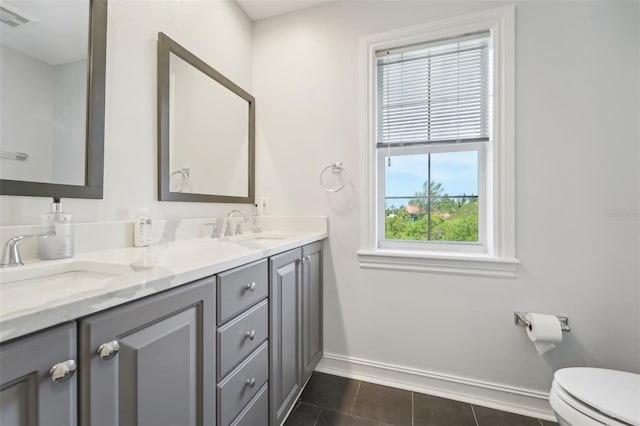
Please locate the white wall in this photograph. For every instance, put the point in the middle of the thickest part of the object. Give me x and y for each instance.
(216, 31)
(577, 184)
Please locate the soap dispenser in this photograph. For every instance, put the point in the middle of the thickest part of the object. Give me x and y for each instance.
(256, 226)
(142, 228)
(57, 225)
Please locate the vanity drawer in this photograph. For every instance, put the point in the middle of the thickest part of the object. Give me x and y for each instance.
(241, 336)
(257, 412)
(235, 391)
(240, 288)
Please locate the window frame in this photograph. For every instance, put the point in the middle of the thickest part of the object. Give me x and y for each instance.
(434, 245)
(497, 256)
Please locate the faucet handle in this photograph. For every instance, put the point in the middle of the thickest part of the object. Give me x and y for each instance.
(11, 254)
(214, 229)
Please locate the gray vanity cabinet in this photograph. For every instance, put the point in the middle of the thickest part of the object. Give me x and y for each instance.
(285, 332)
(295, 329)
(151, 362)
(177, 357)
(37, 380)
(296, 324)
(311, 308)
(243, 345)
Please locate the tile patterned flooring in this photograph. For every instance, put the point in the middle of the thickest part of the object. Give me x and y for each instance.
(337, 401)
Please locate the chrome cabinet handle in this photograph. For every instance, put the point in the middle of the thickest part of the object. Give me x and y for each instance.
(109, 350)
(251, 286)
(62, 371)
(251, 334)
(251, 382)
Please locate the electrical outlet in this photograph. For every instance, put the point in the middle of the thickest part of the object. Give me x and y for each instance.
(265, 205)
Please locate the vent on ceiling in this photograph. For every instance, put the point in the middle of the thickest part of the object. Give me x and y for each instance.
(13, 16)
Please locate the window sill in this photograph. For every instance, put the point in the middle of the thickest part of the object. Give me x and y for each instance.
(453, 264)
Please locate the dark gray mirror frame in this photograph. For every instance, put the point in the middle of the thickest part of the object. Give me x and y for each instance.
(166, 46)
(94, 156)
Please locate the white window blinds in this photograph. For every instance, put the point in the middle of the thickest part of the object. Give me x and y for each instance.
(438, 93)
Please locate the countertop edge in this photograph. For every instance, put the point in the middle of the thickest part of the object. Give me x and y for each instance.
(150, 282)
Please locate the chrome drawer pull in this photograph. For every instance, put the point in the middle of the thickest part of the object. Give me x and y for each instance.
(251, 382)
(62, 371)
(109, 350)
(251, 286)
(251, 334)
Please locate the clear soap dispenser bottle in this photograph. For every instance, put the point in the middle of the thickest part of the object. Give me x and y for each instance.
(57, 225)
(256, 226)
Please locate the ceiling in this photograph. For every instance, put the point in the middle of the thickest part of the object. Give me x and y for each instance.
(56, 34)
(261, 9)
(46, 39)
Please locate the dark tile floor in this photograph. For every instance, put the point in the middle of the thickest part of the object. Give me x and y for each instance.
(336, 401)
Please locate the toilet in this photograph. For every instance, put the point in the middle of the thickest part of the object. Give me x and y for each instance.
(583, 396)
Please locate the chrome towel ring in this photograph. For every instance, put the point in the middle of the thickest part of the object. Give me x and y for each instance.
(22, 156)
(184, 174)
(336, 168)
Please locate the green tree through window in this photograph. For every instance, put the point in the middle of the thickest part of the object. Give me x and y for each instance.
(433, 215)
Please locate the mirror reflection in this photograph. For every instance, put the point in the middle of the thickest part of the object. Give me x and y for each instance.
(43, 96)
(208, 134)
(206, 131)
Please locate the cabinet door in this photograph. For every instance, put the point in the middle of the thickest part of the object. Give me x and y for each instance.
(28, 394)
(163, 369)
(311, 308)
(285, 333)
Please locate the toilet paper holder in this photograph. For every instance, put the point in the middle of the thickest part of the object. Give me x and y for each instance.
(519, 319)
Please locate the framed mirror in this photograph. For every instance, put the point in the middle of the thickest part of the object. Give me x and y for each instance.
(206, 131)
(53, 56)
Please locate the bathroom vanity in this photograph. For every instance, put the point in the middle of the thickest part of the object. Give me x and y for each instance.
(228, 339)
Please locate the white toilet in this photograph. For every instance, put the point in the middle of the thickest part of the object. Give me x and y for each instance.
(595, 396)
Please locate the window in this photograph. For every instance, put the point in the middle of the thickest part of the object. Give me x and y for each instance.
(439, 140)
(433, 120)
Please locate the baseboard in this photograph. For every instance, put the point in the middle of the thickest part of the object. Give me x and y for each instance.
(500, 397)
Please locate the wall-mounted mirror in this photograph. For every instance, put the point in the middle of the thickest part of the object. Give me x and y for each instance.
(52, 84)
(205, 131)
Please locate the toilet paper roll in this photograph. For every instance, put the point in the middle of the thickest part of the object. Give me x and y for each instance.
(544, 331)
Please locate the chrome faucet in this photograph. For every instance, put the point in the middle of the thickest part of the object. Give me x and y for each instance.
(11, 255)
(227, 231)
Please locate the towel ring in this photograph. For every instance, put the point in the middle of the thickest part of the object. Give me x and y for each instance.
(336, 167)
(21, 156)
(184, 173)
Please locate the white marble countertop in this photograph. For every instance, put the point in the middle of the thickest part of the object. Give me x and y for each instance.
(34, 304)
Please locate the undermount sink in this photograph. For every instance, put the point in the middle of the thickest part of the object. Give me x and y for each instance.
(260, 241)
(265, 237)
(76, 269)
